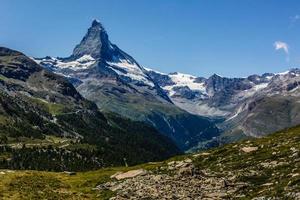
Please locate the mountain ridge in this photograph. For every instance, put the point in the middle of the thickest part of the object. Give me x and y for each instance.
(117, 83)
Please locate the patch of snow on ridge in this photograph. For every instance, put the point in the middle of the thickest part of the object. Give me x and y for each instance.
(85, 58)
(283, 73)
(182, 80)
(158, 72)
(269, 77)
(250, 92)
(260, 86)
(83, 62)
(132, 70)
(240, 109)
(169, 89)
(97, 20)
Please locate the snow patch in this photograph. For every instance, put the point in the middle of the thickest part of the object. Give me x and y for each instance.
(132, 70)
(269, 77)
(250, 92)
(84, 62)
(182, 80)
(236, 113)
(260, 86)
(283, 73)
(149, 70)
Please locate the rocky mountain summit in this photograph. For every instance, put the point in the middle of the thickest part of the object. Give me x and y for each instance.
(95, 43)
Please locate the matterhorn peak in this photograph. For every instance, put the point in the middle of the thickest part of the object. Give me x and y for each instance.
(97, 23)
(94, 43)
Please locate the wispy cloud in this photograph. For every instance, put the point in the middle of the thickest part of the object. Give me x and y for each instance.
(279, 45)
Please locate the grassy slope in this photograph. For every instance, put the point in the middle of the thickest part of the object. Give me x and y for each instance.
(272, 170)
(50, 185)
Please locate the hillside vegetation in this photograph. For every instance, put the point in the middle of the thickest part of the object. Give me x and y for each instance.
(266, 168)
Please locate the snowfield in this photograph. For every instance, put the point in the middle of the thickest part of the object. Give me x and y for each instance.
(81, 63)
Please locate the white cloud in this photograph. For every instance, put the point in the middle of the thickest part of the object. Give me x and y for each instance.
(281, 45)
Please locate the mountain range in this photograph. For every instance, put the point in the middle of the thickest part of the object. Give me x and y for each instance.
(195, 112)
(250, 107)
(106, 75)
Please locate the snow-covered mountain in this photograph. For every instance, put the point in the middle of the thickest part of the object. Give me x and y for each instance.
(115, 81)
(98, 62)
(215, 96)
(255, 105)
(271, 108)
(96, 49)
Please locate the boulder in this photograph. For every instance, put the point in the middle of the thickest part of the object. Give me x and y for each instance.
(129, 174)
(249, 149)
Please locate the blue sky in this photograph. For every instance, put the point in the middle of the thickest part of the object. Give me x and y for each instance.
(229, 37)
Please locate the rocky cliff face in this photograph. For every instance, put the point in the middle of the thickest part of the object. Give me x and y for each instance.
(272, 108)
(95, 43)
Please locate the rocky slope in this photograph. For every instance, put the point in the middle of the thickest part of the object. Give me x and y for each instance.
(265, 168)
(215, 96)
(274, 107)
(112, 79)
(46, 124)
(252, 106)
